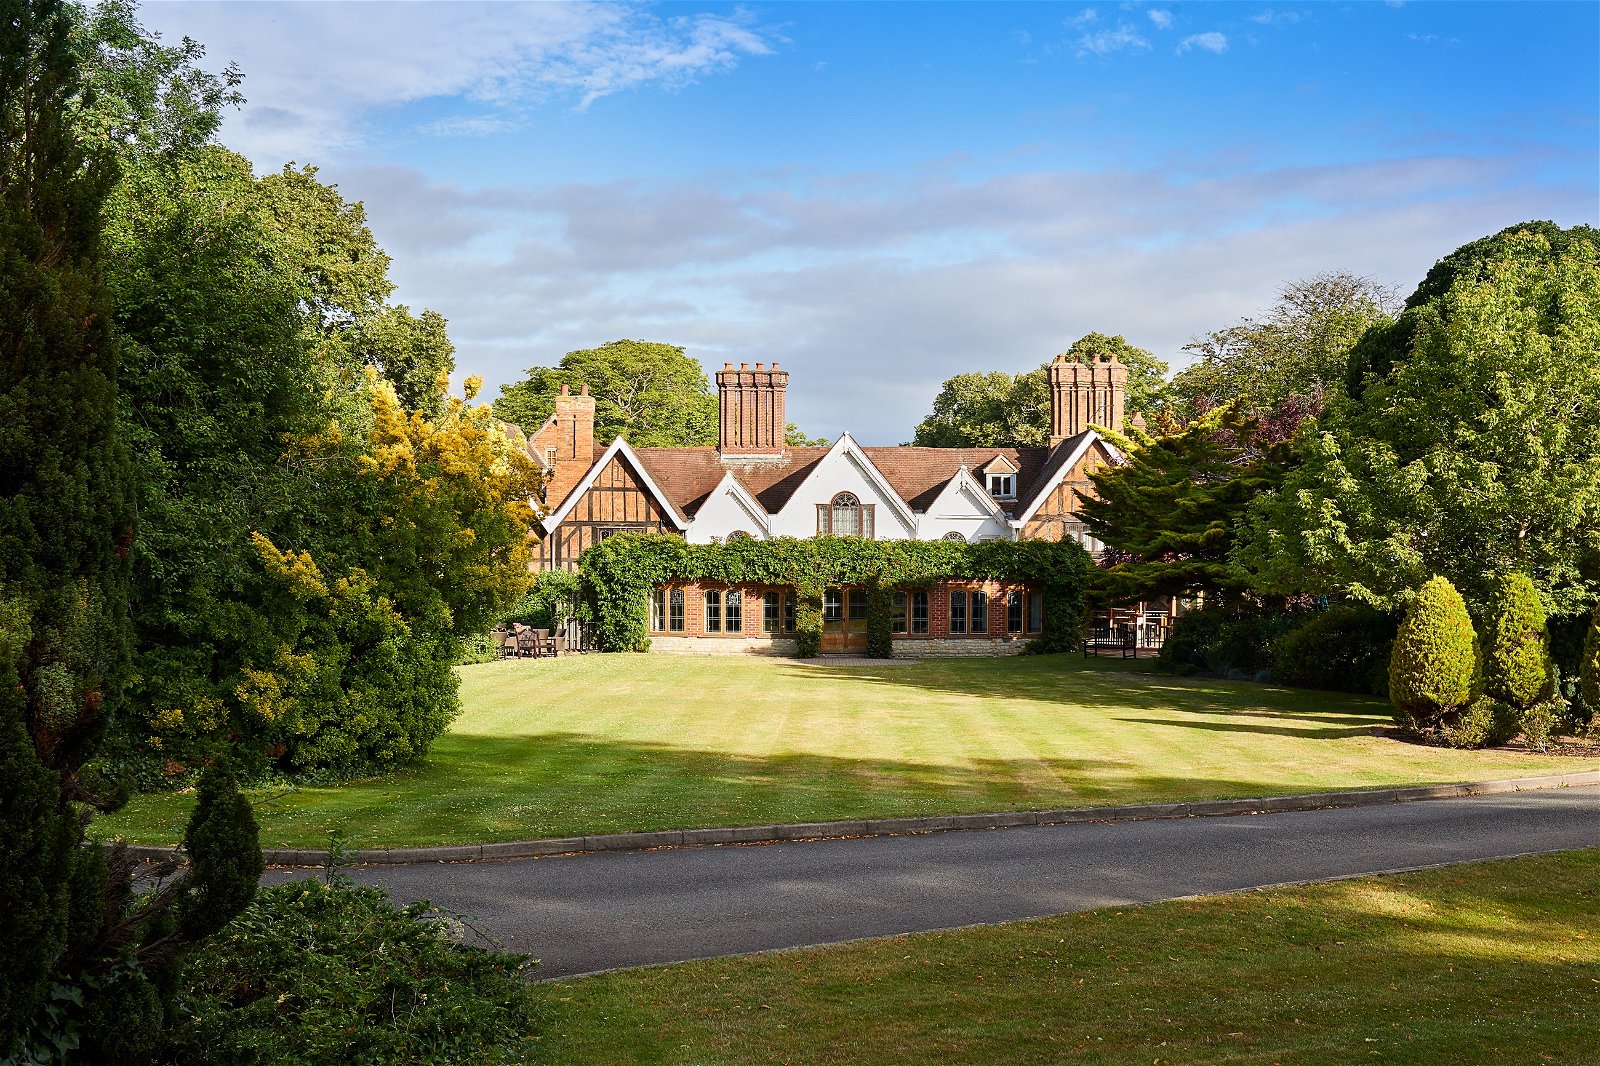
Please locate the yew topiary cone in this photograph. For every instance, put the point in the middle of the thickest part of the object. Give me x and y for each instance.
(1435, 657)
(1516, 661)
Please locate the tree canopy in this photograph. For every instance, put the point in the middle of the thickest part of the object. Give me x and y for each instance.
(652, 393)
(1169, 513)
(1474, 455)
(1300, 348)
(87, 961)
(997, 410)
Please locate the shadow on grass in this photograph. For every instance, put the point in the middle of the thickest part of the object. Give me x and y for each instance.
(475, 789)
(1326, 733)
(1109, 685)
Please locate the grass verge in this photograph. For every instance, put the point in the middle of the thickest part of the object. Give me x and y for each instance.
(619, 743)
(1477, 964)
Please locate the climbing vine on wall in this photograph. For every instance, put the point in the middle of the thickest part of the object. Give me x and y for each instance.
(619, 572)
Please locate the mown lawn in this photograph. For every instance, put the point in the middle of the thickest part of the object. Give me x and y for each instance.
(617, 743)
(1472, 965)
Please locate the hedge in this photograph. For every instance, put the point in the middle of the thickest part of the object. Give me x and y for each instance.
(619, 573)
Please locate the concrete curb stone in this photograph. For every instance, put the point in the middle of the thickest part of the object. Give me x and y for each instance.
(939, 823)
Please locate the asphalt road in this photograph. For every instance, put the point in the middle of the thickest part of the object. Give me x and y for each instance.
(583, 913)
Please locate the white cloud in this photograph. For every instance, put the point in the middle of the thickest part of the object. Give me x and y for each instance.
(1162, 19)
(314, 72)
(1082, 19)
(873, 290)
(467, 126)
(1122, 39)
(1269, 17)
(1213, 42)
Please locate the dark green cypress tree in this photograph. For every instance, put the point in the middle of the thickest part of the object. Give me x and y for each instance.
(224, 849)
(65, 517)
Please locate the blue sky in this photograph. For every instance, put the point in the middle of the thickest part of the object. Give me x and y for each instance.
(881, 195)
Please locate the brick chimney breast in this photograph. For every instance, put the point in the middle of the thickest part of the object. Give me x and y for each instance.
(565, 444)
(751, 410)
(1086, 392)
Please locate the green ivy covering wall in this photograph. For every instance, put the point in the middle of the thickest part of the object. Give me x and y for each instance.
(619, 572)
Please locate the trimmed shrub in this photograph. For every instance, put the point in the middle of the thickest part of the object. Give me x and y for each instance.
(1516, 660)
(1435, 659)
(1343, 649)
(315, 974)
(1483, 723)
(880, 622)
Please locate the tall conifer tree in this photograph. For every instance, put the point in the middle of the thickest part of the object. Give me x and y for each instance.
(66, 524)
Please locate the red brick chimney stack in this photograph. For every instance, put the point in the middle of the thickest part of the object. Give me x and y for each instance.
(1086, 392)
(565, 445)
(751, 413)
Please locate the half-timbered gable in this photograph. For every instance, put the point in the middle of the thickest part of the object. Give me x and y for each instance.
(616, 496)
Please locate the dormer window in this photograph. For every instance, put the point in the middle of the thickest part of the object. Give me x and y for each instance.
(549, 459)
(1003, 486)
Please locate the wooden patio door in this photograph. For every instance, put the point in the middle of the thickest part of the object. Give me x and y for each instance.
(844, 621)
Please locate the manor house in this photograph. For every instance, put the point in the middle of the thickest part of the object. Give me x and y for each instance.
(753, 485)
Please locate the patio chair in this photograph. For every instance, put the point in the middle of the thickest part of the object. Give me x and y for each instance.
(508, 643)
(528, 643)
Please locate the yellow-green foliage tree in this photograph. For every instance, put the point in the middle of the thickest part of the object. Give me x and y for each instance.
(1434, 663)
(1516, 661)
(421, 540)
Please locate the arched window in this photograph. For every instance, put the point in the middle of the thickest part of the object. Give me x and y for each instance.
(713, 611)
(738, 534)
(846, 518)
(953, 535)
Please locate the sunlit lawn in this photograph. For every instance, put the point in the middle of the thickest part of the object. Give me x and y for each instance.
(627, 742)
(1494, 963)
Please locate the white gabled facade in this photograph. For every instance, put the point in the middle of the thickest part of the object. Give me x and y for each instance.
(728, 510)
(966, 509)
(846, 469)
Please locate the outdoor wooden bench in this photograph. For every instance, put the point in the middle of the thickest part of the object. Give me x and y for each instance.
(1121, 641)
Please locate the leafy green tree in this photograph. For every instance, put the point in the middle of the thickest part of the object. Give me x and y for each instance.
(1169, 512)
(143, 99)
(1434, 663)
(1301, 348)
(1516, 661)
(70, 928)
(795, 437)
(410, 352)
(1473, 457)
(651, 393)
(1387, 345)
(994, 409)
(997, 410)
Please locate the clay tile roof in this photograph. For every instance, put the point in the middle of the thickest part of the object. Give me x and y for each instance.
(688, 475)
